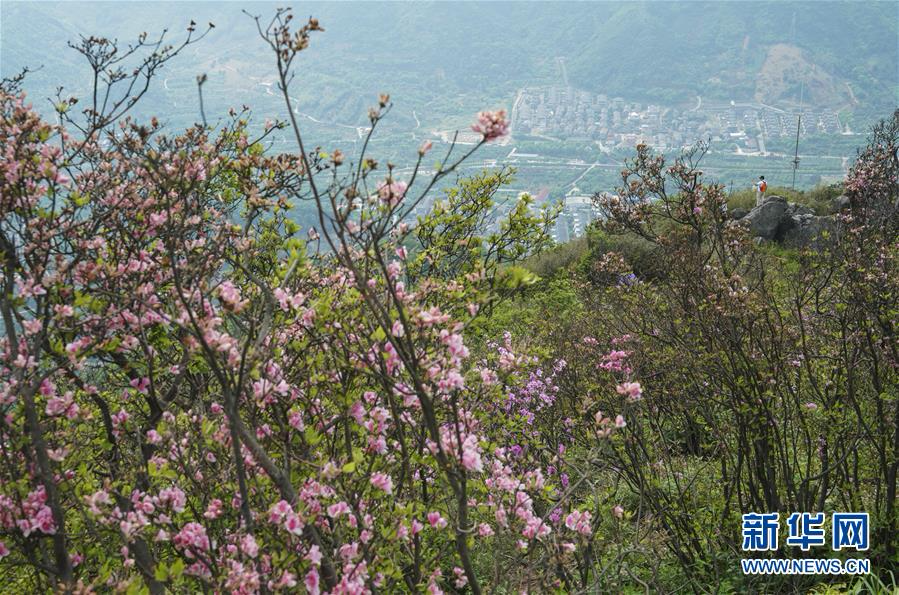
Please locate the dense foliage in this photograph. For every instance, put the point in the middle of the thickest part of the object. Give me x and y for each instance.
(200, 396)
(770, 375)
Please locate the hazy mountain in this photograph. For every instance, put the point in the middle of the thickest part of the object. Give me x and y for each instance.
(447, 58)
(734, 50)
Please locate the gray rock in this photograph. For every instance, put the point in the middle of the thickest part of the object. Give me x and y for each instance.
(776, 220)
(738, 213)
(765, 220)
(793, 209)
(841, 203)
(809, 230)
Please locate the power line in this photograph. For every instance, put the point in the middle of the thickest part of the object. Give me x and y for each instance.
(796, 153)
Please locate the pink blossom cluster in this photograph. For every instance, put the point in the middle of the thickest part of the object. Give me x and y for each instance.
(391, 193)
(491, 125)
(32, 516)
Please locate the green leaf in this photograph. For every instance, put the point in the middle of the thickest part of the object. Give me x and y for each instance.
(161, 574)
(177, 568)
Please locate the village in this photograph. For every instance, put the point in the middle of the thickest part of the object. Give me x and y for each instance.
(566, 113)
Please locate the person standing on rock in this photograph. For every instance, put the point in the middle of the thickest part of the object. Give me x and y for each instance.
(760, 187)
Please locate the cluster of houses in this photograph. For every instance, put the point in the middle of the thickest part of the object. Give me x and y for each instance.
(578, 211)
(572, 114)
(566, 113)
(778, 123)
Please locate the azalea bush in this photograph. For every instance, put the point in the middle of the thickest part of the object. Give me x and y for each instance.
(768, 376)
(200, 396)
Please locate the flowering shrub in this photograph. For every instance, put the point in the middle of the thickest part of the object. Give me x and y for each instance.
(765, 379)
(199, 396)
(196, 400)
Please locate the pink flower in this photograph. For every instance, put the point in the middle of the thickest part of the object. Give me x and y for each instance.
(314, 555)
(214, 510)
(461, 578)
(295, 419)
(249, 546)
(173, 497)
(349, 551)
(230, 295)
(47, 388)
(335, 510)
(619, 422)
(436, 521)
(383, 482)
(283, 299)
(391, 193)
(157, 219)
(293, 524)
(63, 405)
(4, 551)
(288, 580)
(120, 418)
(491, 125)
(632, 389)
(192, 537)
(141, 384)
(397, 329)
(579, 521)
(64, 310)
(279, 511)
(95, 500)
(471, 455)
(425, 147)
(618, 511)
(32, 327)
(311, 582)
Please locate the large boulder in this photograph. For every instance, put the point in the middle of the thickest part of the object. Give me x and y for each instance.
(809, 231)
(793, 210)
(766, 220)
(791, 224)
(738, 213)
(841, 203)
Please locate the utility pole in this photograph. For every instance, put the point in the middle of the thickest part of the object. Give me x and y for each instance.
(798, 128)
(796, 152)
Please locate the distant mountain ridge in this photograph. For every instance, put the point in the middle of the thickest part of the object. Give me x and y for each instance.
(734, 50)
(441, 60)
